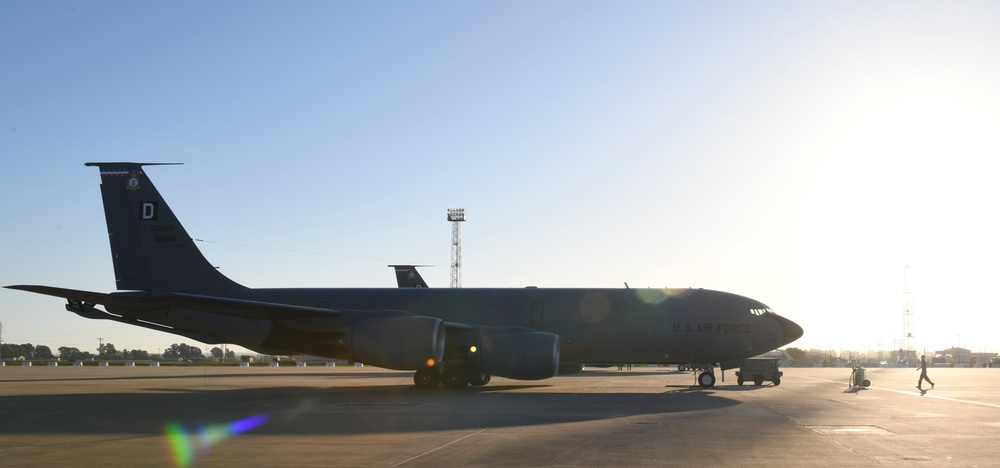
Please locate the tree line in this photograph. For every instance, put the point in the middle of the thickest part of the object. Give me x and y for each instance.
(108, 351)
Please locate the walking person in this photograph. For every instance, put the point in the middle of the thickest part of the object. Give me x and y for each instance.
(923, 373)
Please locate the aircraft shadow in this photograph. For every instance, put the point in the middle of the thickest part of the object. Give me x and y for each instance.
(356, 410)
(338, 375)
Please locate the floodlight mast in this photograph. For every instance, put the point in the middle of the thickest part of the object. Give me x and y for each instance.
(908, 347)
(456, 216)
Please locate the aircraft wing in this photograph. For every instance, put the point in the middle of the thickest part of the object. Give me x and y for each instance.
(160, 300)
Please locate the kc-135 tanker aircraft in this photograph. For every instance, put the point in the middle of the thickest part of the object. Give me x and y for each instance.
(449, 336)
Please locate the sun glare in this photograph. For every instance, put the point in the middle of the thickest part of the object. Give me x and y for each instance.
(911, 183)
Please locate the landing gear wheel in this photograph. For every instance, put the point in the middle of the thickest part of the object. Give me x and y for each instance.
(776, 381)
(479, 380)
(681, 367)
(425, 378)
(454, 379)
(758, 381)
(739, 380)
(706, 379)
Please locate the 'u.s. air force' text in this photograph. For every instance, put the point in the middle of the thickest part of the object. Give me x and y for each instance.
(712, 327)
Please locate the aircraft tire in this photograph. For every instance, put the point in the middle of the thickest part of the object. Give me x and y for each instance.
(454, 378)
(758, 381)
(739, 381)
(479, 380)
(425, 378)
(706, 380)
(776, 381)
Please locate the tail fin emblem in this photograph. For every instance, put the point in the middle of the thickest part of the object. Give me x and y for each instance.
(133, 181)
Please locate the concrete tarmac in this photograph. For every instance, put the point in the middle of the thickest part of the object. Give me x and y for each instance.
(346, 416)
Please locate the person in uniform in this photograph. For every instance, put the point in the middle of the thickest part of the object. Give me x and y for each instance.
(923, 373)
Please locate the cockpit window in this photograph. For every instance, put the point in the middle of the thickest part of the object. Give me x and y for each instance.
(762, 311)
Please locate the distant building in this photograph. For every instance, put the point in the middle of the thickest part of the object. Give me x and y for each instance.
(904, 356)
(982, 359)
(954, 357)
(961, 357)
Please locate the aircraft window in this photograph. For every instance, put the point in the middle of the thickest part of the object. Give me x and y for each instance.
(762, 311)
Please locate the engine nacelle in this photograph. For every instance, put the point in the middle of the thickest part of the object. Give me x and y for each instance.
(521, 355)
(401, 343)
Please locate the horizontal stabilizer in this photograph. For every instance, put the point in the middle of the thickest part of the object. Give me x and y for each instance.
(163, 300)
(143, 300)
(86, 296)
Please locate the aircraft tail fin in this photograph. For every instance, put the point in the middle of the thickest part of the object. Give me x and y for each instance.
(150, 248)
(407, 276)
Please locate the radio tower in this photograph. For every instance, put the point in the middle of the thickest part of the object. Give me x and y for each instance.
(908, 347)
(456, 216)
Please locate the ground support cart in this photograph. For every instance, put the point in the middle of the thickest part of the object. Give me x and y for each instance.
(858, 378)
(759, 370)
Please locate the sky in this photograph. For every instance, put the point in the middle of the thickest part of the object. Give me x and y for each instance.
(834, 160)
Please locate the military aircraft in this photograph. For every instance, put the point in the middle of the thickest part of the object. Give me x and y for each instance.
(407, 276)
(451, 336)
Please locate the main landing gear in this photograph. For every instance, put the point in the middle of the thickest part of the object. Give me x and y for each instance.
(460, 368)
(453, 377)
(426, 378)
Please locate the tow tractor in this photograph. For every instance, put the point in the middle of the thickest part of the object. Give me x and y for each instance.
(759, 370)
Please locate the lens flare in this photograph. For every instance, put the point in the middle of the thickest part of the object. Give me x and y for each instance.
(185, 446)
(180, 446)
(656, 295)
(594, 307)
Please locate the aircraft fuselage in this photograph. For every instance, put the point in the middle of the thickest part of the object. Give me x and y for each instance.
(652, 326)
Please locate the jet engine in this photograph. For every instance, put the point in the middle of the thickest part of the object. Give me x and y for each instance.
(401, 343)
(521, 355)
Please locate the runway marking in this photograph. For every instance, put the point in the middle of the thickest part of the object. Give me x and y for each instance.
(377, 404)
(435, 449)
(911, 393)
(851, 430)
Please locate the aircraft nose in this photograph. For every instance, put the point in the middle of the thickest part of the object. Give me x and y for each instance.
(790, 331)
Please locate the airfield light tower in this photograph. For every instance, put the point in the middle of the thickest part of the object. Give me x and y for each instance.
(456, 216)
(908, 342)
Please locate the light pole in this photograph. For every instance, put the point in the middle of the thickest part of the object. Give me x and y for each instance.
(456, 216)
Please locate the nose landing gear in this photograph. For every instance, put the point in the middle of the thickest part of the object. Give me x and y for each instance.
(704, 374)
(706, 379)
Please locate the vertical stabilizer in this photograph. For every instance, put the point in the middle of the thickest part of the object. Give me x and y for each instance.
(407, 276)
(150, 248)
